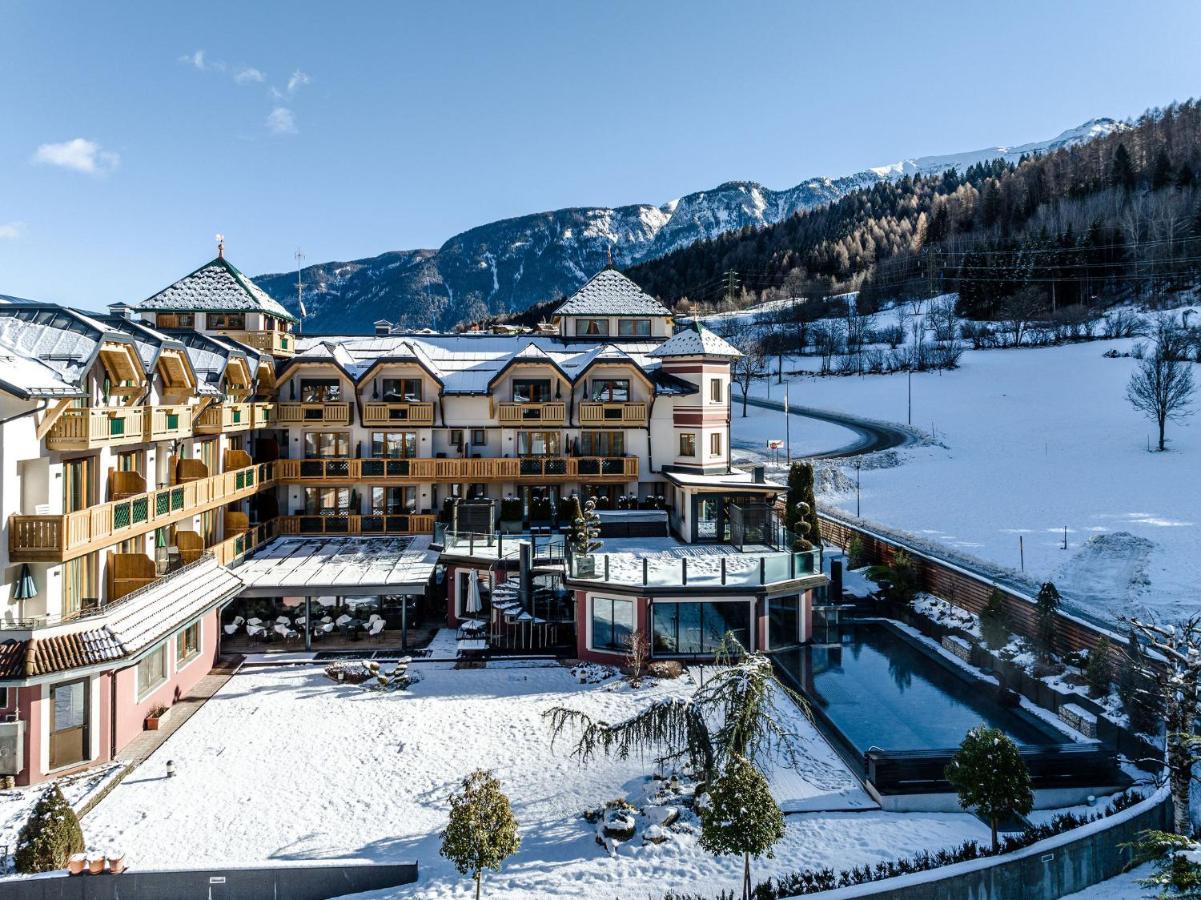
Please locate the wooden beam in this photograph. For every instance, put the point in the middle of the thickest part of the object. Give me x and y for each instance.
(52, 416)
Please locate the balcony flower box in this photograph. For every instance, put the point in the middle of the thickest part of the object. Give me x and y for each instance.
(157, 718)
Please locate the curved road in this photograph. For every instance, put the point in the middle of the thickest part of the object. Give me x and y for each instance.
(872, 436)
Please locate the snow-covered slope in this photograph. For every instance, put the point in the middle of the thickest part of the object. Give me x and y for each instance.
(513, 263)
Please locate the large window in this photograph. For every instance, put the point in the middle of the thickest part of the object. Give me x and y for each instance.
(613, 390)
(175, 320)
(612, 623)
(320, 390)
(591, 327)
(326, 444)
(326, 501)
(634, 327)
(228, 321)
(682, 629)
(394, 444)
(538, 443)
(407, 390)
(531, 390)
(783, 622)
(687, 443)
(602, 443)
(152, 670)
(394, 501)
(187, 644)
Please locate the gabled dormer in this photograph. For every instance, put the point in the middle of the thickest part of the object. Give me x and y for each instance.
(610, 307)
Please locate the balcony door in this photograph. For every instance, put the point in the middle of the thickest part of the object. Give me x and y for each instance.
(78, 478)
(68, 723)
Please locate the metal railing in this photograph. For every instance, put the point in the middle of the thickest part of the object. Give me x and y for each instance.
(708, 570)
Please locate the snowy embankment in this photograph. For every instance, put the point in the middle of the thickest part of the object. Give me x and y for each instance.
(284, 765)
(1026, 443)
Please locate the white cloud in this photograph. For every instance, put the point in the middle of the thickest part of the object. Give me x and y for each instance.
(79, 154)
(298, 80)
(10, 231)
(195, 60)
(249, 75)
(281, 121)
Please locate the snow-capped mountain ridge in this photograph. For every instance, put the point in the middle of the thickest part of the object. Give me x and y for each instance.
(513, 263)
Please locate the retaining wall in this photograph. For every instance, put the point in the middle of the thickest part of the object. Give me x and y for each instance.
(302, 881)
(1064, 864)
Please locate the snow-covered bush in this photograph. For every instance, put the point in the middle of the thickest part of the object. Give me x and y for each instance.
(50, 836)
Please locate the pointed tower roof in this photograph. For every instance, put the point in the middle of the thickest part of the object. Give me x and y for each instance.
(695, 339)
(217, 286)
(609, 293)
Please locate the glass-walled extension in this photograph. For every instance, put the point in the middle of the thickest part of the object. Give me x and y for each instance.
(284, 624)
(681, 628)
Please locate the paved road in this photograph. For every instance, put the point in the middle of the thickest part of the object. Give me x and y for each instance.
(871, 436)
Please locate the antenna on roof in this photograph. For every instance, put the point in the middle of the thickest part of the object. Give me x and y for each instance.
(299, 287)
(220, 246)
(610, 256)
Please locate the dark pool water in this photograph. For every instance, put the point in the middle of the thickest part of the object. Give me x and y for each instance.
(881, 690)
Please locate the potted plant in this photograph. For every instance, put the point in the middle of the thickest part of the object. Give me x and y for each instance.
(511, 514)
(76, 863)
(96, 863)
(158, 715)
(116, 861)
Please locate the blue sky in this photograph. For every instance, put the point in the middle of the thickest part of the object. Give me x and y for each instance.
(347, 129)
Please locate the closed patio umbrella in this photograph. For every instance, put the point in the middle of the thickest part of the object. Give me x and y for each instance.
(473, 604)
(25, 589)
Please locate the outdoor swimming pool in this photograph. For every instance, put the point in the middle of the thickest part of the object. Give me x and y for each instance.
(880, 689)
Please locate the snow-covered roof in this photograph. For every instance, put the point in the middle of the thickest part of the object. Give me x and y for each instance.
(609, 293)
(209, 356)
(28, 378)
(65, 341)
(696, 339)
(345, 566)
(217, 286)
(738, 478)
(150, 343)
(148, 614)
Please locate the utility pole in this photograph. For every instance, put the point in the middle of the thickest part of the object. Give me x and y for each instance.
(299, 291)
(909, 380)
(787, 430)
(731, 286)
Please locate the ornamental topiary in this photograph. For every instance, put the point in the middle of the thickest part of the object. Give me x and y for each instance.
(741, 817)
(991, 777)
(481, 832)
(50, 836)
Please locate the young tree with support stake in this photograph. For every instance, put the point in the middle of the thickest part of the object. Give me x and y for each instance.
(741, 817)
(1162, 386)
(991, 777)
(481, 832)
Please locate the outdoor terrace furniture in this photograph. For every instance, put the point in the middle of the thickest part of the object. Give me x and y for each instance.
(343, 620)
(376, 629)
(285, 631)
(232, 628)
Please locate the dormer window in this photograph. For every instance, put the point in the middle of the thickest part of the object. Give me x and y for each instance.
(610, 390)
(634, 327)
(531, 390)
(176, 320)
(227, 321)
(592, 327)
(320, 390)
(407, 390)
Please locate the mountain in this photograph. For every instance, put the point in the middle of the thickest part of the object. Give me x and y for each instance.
(508, 265)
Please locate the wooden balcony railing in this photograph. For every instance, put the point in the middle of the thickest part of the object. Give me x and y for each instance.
(263, 414)
(127, 572)
(277, 343)
(369, 524)
(619, 414)
(168, 423)
(554, 413)
(409, 471)
(100, 426)
(312, 413)
(378, 413)
(223, 418)
(234, 548)
(62, 537)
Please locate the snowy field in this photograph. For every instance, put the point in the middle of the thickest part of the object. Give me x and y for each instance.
(1027, 442)
(284, 765)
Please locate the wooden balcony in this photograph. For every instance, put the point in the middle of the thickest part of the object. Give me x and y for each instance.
(62, 537)
(101, 426)
(554, 413)
(592, 469)
(277, 343)
(225, 418)
(369, 524)
(263, 414)
(620, 415)
(312, 413)
(127, 572)
(168, 423)
(377, 413)
(234, 548)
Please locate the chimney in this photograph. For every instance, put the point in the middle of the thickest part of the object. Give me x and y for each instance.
(122, 309)
(757, 475)
(383, 328)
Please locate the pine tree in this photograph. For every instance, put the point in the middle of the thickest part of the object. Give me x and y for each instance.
(1046, 608)
(481, 832)
(1099, 674)
(1122, 172)
(584, 536)
(741, 817)
(994, 621)
(991, 777)
(1138, 692)
(50, 836)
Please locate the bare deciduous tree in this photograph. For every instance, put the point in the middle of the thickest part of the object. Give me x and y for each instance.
(1162, 386)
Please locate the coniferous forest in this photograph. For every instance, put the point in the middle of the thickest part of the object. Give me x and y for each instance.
(1117, 218)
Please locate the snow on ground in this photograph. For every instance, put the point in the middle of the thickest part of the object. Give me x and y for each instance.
(1124, 887)
(18, 803)
(283, 765)
(1030, 441)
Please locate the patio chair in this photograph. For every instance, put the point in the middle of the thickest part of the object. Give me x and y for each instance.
(326, 627)
(283, 620)
(256, 622)
(373, 618)
(256, 632)
(325, 620)
(285, 632)
(342, 620)
(376, 629)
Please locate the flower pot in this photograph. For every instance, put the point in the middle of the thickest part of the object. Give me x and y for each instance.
(76, 863)
(154, 723)
(116, 862)
(96, 863)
